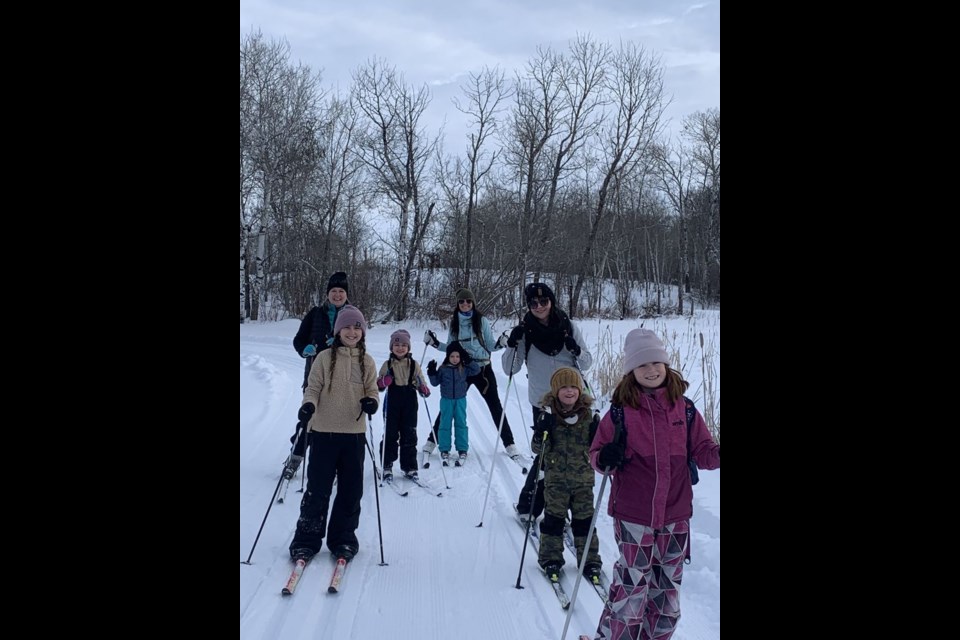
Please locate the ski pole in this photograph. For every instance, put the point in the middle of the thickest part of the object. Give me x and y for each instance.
(376, 489)
(306, 443)
(586, 547)
(586, 552)
(424, 463)
(523, 420)
(493, 463)
(530, 518)
(576, 363)
(383, 440)
(257, 539)
(436, 440)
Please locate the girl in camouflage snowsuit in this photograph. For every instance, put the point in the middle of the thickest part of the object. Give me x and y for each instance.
(569, 427)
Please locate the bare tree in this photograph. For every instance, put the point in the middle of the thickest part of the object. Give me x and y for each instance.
(702, 131)
(533, 122)
(483, 95)
(635, 86)
(674, 178)
(582, 73)
(278, 112)
(397, 152)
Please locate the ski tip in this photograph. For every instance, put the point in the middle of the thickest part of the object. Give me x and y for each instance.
(332, 590)
(440, 495)
(279, 500)
(286, 592)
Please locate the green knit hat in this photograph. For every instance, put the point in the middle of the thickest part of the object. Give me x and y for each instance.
(465, 294)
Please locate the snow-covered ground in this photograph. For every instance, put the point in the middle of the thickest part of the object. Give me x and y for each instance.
(444, 576)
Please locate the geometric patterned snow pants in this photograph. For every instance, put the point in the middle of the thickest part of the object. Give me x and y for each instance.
(645, 593)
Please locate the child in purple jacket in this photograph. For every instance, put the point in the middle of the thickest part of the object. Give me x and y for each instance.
(651, 499)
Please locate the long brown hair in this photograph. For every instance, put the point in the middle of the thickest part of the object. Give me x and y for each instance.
(362, 345)
(628, 390)
(476, 322)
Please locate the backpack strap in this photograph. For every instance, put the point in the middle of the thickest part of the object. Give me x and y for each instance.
(691, 412)
(620, 431)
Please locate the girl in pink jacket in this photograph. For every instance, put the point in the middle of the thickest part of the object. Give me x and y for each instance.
(651, 498)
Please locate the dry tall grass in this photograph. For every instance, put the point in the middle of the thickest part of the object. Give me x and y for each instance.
(694, 347)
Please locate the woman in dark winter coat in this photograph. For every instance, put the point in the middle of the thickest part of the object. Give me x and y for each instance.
(315, 334)
(316, 329)
(546, 339)
(651, 498)
(342, 387)
(472, 331)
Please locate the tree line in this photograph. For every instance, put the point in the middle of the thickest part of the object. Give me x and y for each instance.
(566, 176)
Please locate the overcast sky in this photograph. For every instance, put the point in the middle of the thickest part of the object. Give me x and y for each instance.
(440, 42)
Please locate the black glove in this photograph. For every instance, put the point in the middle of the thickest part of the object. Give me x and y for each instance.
(430, 338)
(502, 340)
(545, 423)
(571, 345)
(611, 455)
(515, 336)
(368, 405)
(306, 412)
(432, 368)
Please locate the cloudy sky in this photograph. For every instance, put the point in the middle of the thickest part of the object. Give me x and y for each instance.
(440, 42)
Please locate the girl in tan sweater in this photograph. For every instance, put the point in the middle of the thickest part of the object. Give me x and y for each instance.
(342, 386)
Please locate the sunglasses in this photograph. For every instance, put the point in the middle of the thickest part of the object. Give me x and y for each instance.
(533, 303)
(464, 300)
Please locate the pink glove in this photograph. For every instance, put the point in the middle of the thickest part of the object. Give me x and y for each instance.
(384, 381)
(424, 390)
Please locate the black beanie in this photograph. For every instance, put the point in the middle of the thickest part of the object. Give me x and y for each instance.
(455, 346)
(539, 290)
(338, 280)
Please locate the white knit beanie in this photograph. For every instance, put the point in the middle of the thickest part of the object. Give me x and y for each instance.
(640, 347)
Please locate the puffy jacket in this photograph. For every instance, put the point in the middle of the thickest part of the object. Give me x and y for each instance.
(653, 487)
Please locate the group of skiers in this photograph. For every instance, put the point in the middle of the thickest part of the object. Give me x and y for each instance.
(645, 452)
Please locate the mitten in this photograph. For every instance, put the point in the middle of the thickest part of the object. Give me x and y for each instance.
(423, 390)
(369, 406)
(502, 340)
(309, 350)
(430, 338)
(571, 345)
(306, 412)
(611, 455)
(432, 368)
(515, 336)
(384, 381)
